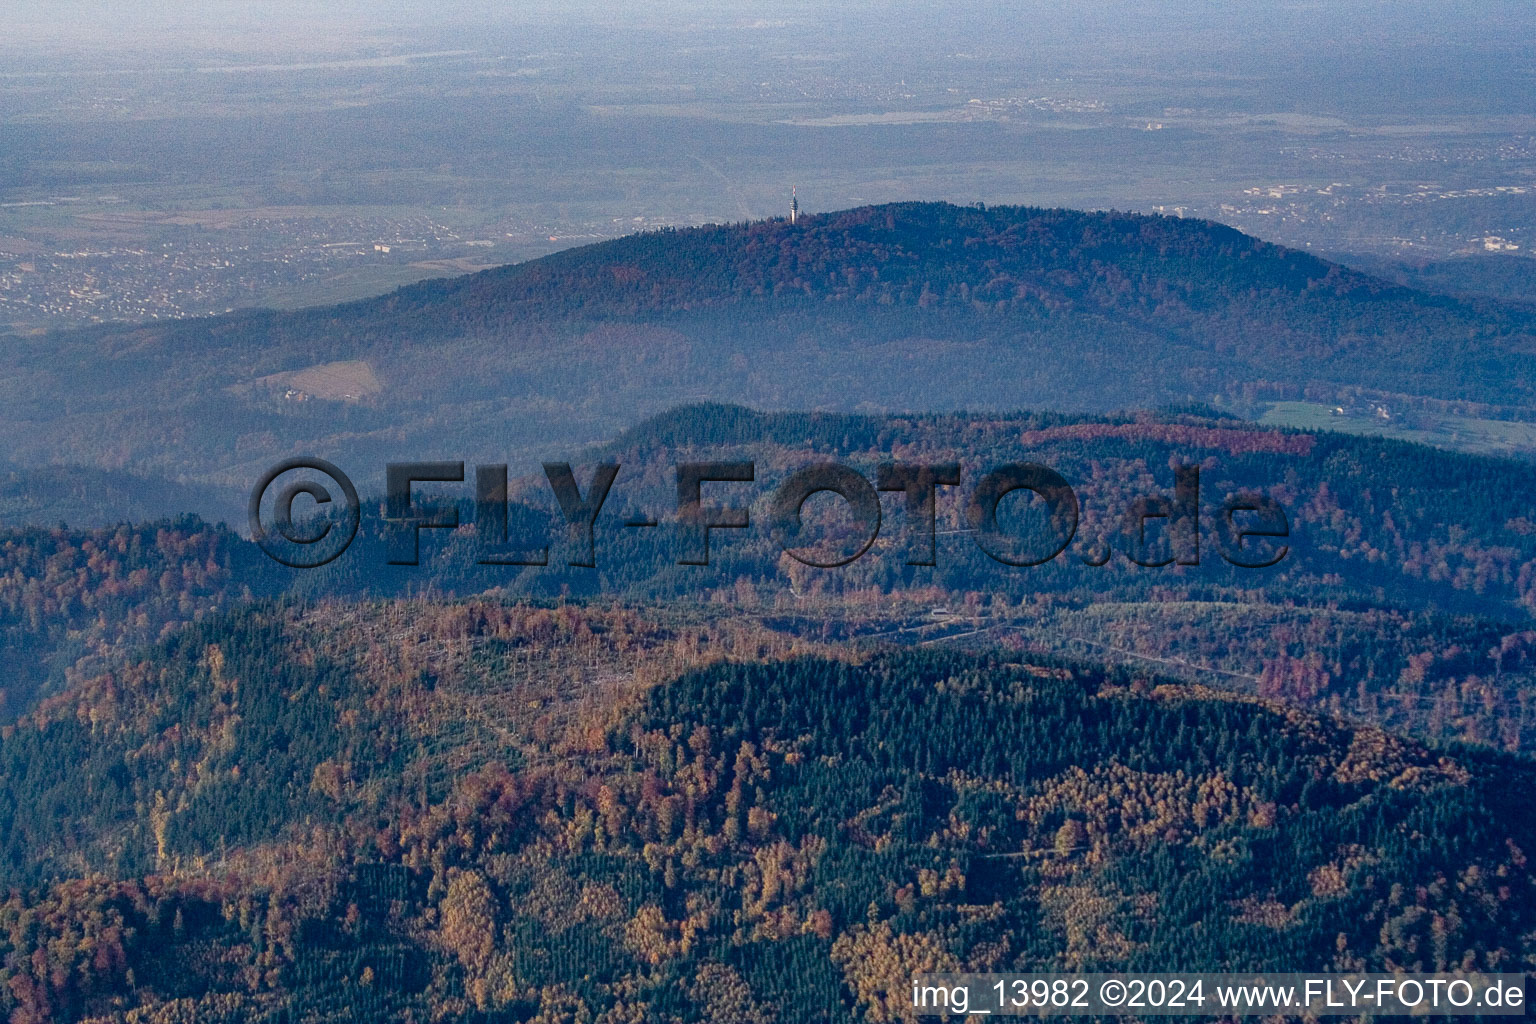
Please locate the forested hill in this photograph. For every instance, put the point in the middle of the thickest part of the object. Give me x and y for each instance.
(276, 817)
(1405, 596)
(1153, 269)
(916, 306)
(1196, 283)
(910, 253)
(1160, 271)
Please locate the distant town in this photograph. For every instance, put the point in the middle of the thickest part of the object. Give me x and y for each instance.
(361, 192)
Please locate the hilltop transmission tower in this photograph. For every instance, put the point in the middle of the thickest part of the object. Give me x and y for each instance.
(794, 205)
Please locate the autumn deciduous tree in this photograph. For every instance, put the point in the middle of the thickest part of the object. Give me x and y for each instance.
(468, 916)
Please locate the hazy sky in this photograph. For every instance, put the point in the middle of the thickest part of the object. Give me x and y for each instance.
(50, 25)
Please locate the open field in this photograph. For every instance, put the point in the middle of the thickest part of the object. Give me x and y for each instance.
(1457, 433)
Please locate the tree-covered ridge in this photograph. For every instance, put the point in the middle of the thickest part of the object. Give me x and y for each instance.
(938, 270)
(778, 841)
(912, 306)
(73, 600)
(81, 496)
(1404, 601)
(232, 730)
(923, 254)
(1382, 534)
(1441, 677)
(1371, 521)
